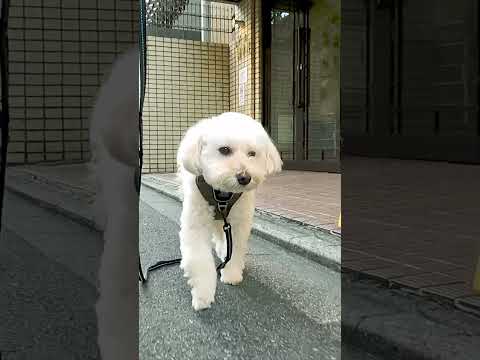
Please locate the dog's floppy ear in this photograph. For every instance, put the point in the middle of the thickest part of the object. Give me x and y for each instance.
(274, 162)
(188, 154)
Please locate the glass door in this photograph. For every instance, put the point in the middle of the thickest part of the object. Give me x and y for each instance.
(302, 82)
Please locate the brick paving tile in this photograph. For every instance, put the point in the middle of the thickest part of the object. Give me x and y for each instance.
(423, 280)
(309, 197)
(406, 212)
(473, 301)
(362, 264)
(462, 274)
(352, 254)
(452, 291)
(396, 271)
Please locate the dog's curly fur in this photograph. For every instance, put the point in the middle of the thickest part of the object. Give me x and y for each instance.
(252, 154)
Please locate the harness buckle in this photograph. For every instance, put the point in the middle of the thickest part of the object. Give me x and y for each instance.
(227, 227)
(222, 206)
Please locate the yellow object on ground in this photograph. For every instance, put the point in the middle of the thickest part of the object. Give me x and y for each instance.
(476, 279)
(340, 222)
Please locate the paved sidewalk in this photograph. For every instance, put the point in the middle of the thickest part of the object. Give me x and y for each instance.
(412, 224)
(311, 198)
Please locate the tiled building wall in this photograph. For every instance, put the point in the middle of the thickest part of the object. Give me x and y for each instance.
(59, 51)
(187, 80)
(246, 52)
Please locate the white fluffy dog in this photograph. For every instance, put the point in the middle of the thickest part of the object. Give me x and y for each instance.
(114, 145)
(234, 154)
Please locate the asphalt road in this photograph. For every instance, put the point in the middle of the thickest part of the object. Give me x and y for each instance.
(287, 307)
(47, 291)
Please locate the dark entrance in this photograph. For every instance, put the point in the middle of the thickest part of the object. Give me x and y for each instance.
(410, 79)
(301, 82)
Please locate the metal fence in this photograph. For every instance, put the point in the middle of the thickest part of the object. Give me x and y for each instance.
(59, 52)
(188, 73)
(207, 21)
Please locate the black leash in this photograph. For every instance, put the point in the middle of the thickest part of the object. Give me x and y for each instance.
(223, 202)
(143, 77)
(4, 113)
(227, 228)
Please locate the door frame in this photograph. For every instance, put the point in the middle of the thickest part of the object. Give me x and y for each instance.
(300, 115)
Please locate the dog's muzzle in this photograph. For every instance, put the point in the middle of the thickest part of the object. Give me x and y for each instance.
(244, 179)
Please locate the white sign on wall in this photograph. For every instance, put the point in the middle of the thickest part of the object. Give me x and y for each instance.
(242, 85)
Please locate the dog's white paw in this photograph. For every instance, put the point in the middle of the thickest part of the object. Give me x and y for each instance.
(202, 297)
(231, 276)
(201, 303)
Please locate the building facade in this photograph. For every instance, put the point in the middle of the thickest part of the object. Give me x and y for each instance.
(277, 61)
(410, 79)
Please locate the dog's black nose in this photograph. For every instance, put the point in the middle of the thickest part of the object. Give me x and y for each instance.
(243, 179)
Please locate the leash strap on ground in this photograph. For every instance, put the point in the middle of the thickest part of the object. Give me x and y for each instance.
(155, 266)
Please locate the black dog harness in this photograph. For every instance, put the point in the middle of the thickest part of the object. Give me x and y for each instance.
(222, 202)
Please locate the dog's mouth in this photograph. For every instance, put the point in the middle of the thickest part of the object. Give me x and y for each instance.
(232, 185)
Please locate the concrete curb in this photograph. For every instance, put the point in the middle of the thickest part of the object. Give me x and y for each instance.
(313, 243)
(39, 190)
(402, 325)
(71, 214)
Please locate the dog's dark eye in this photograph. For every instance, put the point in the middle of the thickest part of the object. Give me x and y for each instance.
(225, 150)
(252, 153)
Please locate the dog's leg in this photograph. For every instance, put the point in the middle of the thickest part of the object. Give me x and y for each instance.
(241, 219)
(198, 264)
